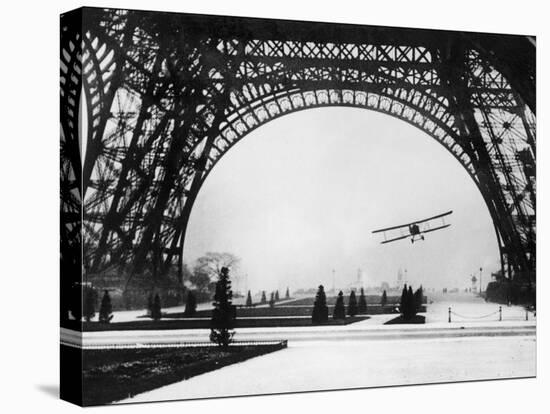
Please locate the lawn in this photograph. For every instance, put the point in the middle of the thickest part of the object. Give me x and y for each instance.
(113, 375)
(204, 323)
(417, 319)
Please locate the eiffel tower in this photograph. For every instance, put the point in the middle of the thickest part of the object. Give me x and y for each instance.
(150, 102)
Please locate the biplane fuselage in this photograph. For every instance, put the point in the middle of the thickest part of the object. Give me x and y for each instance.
(414, 231)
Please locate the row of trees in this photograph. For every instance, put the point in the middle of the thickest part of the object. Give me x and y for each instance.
(355, 306)
(320, 308)
(154, 308)
(274, 297)
(223, 314)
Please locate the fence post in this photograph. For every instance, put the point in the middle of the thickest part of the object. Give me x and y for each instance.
(500, 313)
(526, 314)
(449, 314)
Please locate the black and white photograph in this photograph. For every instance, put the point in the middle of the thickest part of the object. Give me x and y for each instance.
(336, 206)
(276, 208)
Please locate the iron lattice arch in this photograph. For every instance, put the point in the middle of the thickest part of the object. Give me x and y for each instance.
(164, 96)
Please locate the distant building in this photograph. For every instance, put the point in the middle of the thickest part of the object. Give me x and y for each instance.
(359, 282)
(401, 278)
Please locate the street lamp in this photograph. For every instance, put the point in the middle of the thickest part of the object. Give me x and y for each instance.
(480, 285)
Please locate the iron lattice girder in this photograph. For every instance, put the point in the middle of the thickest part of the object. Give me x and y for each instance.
(248, 66)
(304, 71)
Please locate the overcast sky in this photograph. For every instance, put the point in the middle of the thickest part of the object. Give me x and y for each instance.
(300, 196)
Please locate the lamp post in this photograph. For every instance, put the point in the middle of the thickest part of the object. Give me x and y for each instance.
(480, 285)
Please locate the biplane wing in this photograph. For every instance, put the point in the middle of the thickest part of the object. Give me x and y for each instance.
(435, 217)
(436, 228)
(397, 238)
(414, 222)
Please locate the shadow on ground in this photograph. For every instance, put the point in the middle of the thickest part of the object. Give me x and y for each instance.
(49, 389)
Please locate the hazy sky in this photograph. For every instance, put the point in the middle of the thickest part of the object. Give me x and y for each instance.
(300, 196)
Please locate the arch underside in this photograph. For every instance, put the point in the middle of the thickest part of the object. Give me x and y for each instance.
(420, 110)
(161, 112)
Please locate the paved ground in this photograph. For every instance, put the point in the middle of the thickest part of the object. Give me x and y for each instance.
(469, 308)
(474, 346)
(355, 363)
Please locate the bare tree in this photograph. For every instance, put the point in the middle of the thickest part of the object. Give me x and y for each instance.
(213, 262)
(208, 267)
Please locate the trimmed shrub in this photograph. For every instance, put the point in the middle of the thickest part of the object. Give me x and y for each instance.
(418, 296)
(191, 304)
(106, 309)
(320, 309)
(339, 309)
(352, 304)
(249, 300)
(90, 300)
(156, 311)
(384, 298)
(362, 306)
(223, 314)
(408, 305)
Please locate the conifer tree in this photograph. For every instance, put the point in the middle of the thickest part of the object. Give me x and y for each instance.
(191, 304)
(223, 315)
(411, 304)
(403, 304)
(408, 304)
(150, 304)
(384, 298)
(106, 308)
(156, 311)
(418, 297)
(352, 304)
(264, 299)
(362, 306)
(287, 294)
(339, 309)
(277, 296)
(75, 303)
(320, 309)
(272, 300)
(89, 303)
(249, 300)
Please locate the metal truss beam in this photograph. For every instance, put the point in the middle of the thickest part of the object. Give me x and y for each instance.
(168, 95)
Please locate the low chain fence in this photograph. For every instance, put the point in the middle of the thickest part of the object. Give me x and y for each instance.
(495, 314)
(178, 344)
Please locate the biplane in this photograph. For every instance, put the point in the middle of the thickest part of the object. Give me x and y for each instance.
(416, 229)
